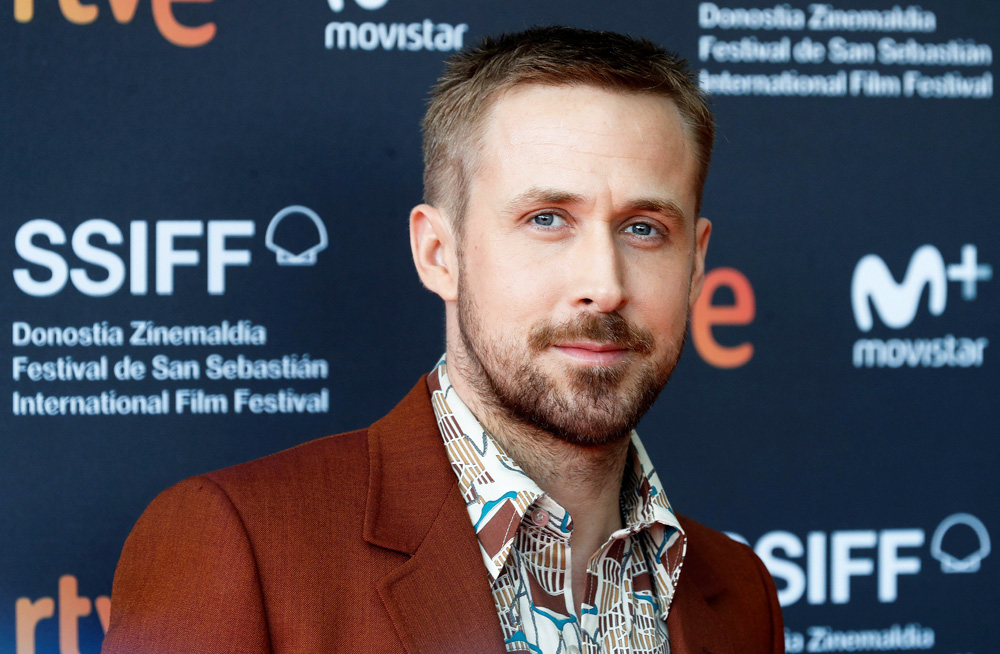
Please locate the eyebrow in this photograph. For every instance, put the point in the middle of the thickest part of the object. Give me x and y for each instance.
(540, 195)
(668, 208)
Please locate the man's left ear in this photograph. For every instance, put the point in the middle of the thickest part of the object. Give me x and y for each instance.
(702, 232)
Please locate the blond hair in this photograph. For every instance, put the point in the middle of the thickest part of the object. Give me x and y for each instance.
(551, 56)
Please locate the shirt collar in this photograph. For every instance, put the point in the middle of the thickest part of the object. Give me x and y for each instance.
(498, 493)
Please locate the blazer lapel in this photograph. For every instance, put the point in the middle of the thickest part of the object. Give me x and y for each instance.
(440, 598)
(695, 627)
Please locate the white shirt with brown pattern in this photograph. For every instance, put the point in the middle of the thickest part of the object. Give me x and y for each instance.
(524, 537)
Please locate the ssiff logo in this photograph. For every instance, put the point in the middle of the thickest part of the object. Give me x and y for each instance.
(296, 234)
(823, 566)
(897, 304)
(170, 28)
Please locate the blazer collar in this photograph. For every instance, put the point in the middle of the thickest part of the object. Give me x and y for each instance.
(409, 476)
(439, 599)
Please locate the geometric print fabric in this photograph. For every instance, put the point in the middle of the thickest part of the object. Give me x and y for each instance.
(524, 537)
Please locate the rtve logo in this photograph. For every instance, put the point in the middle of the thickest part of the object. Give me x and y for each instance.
(897, 304)
(170, 28)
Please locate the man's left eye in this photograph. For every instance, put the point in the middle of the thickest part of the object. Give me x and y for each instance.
(641, 229)
(547, 220)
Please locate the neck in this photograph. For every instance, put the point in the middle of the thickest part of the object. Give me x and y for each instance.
(584, 479)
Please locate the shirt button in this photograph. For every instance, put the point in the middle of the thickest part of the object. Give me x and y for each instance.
(572, 649)
(540, 518)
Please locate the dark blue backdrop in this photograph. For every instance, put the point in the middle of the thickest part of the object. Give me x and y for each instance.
(138, 156)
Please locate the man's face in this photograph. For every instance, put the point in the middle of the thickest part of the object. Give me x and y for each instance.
(576, 260)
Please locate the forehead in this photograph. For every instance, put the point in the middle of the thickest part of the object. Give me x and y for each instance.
(586, 141)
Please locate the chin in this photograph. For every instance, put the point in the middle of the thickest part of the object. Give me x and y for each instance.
(596, 405)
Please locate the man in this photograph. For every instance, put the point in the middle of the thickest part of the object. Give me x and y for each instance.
(506, 503)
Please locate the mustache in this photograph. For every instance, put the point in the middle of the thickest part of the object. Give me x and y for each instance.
(604, 328)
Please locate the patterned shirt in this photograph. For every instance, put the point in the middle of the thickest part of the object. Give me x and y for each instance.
(524, 537)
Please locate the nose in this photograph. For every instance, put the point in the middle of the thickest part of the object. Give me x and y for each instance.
(597, 272)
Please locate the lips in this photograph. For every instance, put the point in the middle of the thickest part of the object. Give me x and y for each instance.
(593, 353)
(592, 336)
(593, 347)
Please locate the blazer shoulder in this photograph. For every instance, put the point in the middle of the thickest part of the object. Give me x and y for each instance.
(733, 579)
(341, 457)
(716, 546)
(305, 490)
(187, 561)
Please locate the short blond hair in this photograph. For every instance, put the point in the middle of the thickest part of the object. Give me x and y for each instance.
(551, 56)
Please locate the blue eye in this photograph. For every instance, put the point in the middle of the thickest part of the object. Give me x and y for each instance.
(641, 229)
(546, 220)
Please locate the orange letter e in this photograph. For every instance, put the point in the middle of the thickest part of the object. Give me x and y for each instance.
(705, 315)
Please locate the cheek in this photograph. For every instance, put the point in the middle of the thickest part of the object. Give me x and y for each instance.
(510, 288)
(660, 302)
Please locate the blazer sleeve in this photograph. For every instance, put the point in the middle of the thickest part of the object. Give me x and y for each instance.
(187, 581)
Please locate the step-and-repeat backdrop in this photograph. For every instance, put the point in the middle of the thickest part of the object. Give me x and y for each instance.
(203, 211)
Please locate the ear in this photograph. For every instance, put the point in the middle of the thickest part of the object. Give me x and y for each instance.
(434, 254)
(702, 232)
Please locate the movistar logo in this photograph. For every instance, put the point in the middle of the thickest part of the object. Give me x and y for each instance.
(402, 35)
(897, 303)
(338, 5)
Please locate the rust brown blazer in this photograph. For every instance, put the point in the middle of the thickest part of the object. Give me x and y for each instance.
(361, 542)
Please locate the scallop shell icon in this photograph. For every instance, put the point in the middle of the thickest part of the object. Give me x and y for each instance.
(306, 257)
(950, 562)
